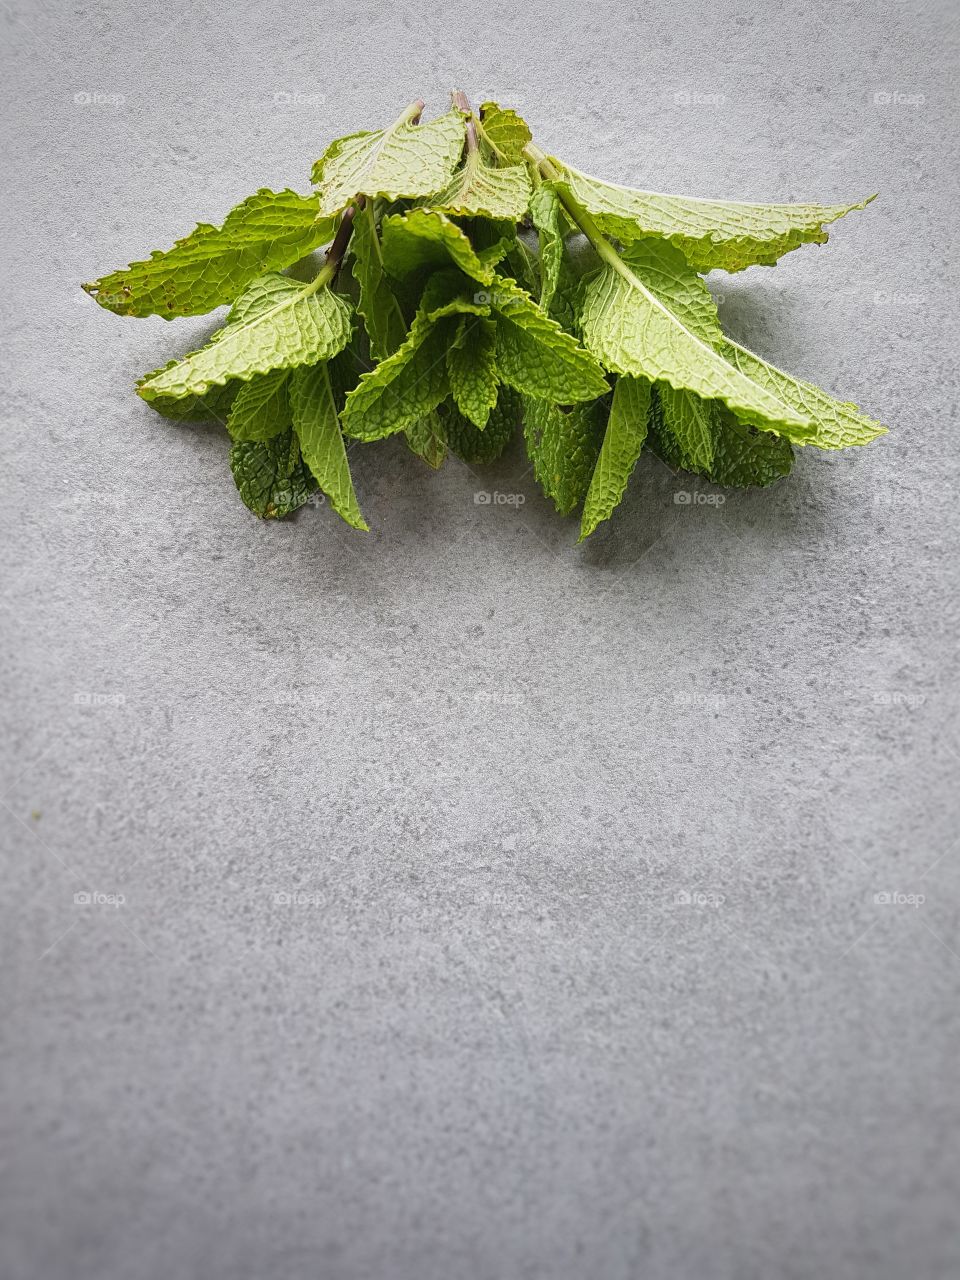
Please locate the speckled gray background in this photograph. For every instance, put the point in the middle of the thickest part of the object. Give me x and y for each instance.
(587, 977)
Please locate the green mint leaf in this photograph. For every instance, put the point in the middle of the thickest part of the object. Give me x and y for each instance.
(631, 330)
(536, 356)
(300, 324)
(427, 439)
(427, 238)
(690, 421)
(492, 238)
(212, 265)
(403, 388)
(474, 446)
(317, 427)
(551, 224)
(404, 161)
(214, 404)
(712, 234)
(622, 442)
(472, 368)
(837, 425)
(504, 131)
(261, 409)
(270, 475)
(480, 189)
(666, 274)
(563, 446)
(377, 305)
(742, 455)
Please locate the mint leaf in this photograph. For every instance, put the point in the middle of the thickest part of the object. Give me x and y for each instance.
(261, 408)
(472, 368)
(214, 404)
(301, 324)
(479, 188)
(404, 387)
(563, 446)
(711, 234)
(377, 305)
(504, 132)
(317, 427)
(837, 425)
(401, 162)
(212, 265)
(630, 330)
(622, 442)
(536, 356)
(690, 421)
(667, 275)
(270, 475)
(742, 455)
(551, 222)
(426, 238)
(474, 446)
(427, 438)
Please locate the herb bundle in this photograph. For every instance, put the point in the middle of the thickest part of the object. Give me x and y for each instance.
(490, 287)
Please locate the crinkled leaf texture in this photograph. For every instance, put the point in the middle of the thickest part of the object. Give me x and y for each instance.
(427, 238)
(261, 408)
(471, 444)
(505, 132)
(271, 476)
(563, 445)
(481, 189)
(741, 455)
(536, 356)
(281, 325)
(623, 440)
(403, 388)
(213, 265)
(712, 234)
(632, 330)
(472, 368)
(317, 427)
(402, 161)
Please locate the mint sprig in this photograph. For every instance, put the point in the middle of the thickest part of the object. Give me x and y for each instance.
(491, 289)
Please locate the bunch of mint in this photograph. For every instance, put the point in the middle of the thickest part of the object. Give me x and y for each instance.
(490, 286)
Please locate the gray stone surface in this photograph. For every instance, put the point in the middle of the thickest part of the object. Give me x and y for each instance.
(492, 1040)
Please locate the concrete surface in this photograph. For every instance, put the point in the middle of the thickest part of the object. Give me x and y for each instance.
(587, 977)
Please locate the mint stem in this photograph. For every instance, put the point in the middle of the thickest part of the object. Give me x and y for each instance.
(545, 167)
(460, 99)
